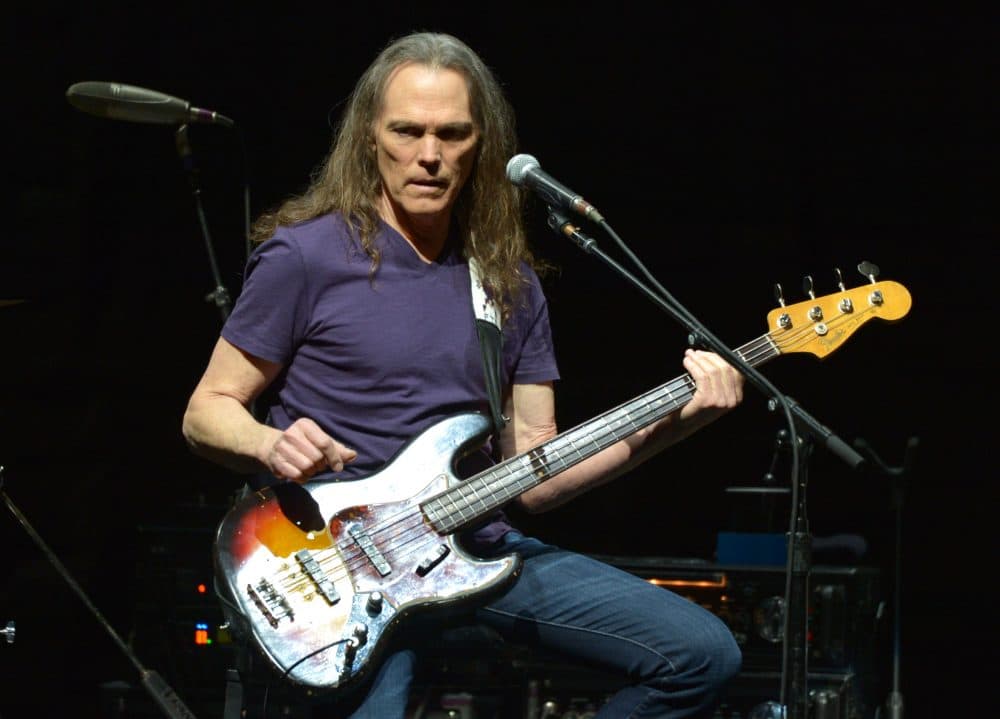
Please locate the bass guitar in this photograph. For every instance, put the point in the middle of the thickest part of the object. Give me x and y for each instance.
(321, 574)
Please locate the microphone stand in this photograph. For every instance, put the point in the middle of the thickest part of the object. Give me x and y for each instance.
(794, 692)
(220, 295)
(894, 702)
(162, 694)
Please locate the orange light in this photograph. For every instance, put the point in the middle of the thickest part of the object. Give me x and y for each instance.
(719, 583)
(202, 589)
(201, 634)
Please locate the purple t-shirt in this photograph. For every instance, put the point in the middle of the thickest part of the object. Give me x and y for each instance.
(374, 361)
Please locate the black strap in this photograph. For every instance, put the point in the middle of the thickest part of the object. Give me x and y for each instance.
(491, 343)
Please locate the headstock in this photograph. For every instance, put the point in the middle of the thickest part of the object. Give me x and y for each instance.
(820, 325)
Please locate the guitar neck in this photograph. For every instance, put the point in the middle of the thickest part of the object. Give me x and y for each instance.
(484, 493)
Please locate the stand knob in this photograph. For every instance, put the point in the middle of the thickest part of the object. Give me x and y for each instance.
(768, 710)
(770, 619)
(8, 632)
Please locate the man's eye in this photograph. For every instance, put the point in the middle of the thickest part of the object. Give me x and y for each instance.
(454, 135)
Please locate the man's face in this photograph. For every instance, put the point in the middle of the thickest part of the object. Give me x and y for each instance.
(425, 141)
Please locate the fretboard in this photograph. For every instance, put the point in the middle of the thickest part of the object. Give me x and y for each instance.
(481, 494)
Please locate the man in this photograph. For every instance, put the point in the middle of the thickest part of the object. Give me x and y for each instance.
(355, 332)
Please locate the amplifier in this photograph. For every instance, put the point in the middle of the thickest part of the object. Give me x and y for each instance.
(846, 636)
(845, 607)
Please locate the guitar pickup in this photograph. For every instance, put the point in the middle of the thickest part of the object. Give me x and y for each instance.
(315, 572)
(371, 551)
(432, 561)
(272, 605)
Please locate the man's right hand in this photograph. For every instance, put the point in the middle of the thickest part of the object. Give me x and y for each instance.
(304, 449)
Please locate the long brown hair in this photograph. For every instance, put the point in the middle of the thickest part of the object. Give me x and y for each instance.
(489, 210)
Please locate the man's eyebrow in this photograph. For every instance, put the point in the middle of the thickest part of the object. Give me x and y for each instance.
(457, 125)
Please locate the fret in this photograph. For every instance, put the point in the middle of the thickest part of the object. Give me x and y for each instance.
(455, 508)
(470, 496)
(573, 448)
(517, 480)
(624, 419)
(495, 481)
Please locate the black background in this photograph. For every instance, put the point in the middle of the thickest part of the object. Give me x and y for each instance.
(732, 148)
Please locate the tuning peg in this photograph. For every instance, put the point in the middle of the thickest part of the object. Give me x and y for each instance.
(816, 312)
(840, 279)
(784, 319)
(869, 270)
(845, 304)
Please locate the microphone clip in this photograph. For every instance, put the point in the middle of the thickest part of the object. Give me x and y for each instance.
(561, 225)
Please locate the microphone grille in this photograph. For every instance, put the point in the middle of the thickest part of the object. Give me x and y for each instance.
(518, 167)
(90, 97)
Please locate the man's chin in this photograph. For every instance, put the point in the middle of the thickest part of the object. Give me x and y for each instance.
(426, 207)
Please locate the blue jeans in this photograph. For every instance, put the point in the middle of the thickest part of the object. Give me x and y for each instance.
(677, 656)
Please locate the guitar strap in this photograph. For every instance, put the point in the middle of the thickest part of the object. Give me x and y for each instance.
(488, 327)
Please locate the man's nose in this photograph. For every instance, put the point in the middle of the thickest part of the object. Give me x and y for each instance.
(430, 149)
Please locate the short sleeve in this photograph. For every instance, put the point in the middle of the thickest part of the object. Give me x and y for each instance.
(270, 315)
(532, 333)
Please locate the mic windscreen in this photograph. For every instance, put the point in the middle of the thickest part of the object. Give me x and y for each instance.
(518, 167)
(126, 102)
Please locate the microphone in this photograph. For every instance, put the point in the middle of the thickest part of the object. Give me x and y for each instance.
(525, 170)
(137, 104)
